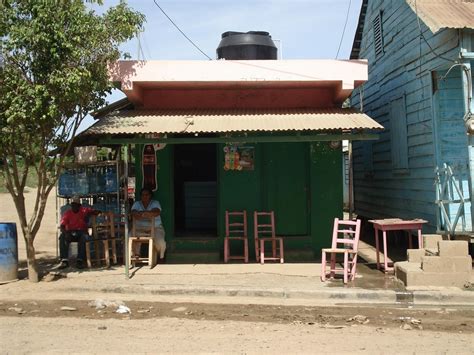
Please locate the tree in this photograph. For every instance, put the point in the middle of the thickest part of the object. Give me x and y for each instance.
(54, 58)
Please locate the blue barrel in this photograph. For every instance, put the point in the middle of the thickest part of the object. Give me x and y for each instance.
(8, 252)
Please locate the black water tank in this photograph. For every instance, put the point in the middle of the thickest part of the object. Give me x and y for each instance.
(250, 45)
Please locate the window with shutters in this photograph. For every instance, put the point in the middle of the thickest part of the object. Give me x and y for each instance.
(346, 167)
(378, 35)
(398, 134)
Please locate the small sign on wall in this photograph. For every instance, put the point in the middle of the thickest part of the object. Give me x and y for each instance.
(149, 167)
(239, 157)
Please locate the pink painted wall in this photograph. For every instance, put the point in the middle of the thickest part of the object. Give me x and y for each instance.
(238, 98)
(243, 84)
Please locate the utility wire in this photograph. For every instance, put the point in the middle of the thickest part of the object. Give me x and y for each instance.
(344, 29)
(140, 53)
(175, 25)
(147, 49)
(427, 43)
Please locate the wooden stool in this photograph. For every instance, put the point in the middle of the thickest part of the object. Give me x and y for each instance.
(142, 235)
(103, 232)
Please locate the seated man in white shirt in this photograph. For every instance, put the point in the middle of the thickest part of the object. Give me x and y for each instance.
(142, 210)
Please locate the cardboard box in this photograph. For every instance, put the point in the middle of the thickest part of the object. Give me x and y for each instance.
(86, 154)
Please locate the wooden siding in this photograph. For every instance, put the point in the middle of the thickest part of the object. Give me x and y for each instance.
(403, 188)
(451, 135)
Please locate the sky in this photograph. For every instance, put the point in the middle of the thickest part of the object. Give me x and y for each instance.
(301, 29)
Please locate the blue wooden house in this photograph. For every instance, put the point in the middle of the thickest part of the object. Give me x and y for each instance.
(420, 89)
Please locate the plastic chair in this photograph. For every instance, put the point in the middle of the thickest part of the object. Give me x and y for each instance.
(103, 232)
(142, 235)
(345, 240)
(236, 230)
(264, 231)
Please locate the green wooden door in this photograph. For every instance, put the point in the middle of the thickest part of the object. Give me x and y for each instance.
(286, 187)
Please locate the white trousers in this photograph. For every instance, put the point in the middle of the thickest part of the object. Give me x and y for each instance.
(158, 241)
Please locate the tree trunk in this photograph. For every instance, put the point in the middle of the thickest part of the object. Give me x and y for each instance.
(33, 274)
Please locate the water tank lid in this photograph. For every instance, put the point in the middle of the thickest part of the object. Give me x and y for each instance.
(259, 38)
(233, 33)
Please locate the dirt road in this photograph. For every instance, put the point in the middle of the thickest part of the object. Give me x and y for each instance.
(38, 325)
(157, 327)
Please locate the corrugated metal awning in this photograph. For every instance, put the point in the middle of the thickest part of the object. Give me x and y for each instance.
(438, 14)
(228, 120)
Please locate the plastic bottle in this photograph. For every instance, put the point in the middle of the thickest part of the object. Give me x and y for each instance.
(81, 186)
(111, 180)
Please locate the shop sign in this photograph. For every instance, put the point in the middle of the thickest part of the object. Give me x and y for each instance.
(158, 146)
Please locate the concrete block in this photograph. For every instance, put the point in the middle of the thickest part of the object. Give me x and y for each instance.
(432, 251)
(412, 276)
(430, 241)
(405, 268)
(453, 248)
(457, 279)
(414, 255)
(446, 264)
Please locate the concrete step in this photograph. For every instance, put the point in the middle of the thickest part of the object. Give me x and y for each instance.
(453, 248)
(415, 255)
(432, 251)
(412, 275)
(215, 257)
(296, 255)
(430, 241)
(446, 264)
(405, 270)
(189, 257)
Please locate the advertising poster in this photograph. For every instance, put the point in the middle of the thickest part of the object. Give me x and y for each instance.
(239, 157)
(149, 167)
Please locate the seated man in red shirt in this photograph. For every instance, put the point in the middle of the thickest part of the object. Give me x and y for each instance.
(74, 229)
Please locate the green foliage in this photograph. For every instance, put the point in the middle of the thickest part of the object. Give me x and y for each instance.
(54, 58)
(31, 180)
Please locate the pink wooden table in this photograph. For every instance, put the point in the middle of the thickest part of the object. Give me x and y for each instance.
(394, 224)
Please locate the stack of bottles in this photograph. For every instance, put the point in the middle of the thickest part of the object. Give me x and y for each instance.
(110, 179)
(109, 205)
(96, 180)
(66, 183)
(92, 180)
(81, 183)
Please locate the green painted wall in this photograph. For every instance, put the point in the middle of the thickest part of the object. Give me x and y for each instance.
(301, 182)
(326, 192)
(164, 175)
(285, 186)
(239, 190)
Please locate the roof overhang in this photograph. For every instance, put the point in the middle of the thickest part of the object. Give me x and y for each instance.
(439, 14)
(185, 126)
(339, 77)
(436, 14)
